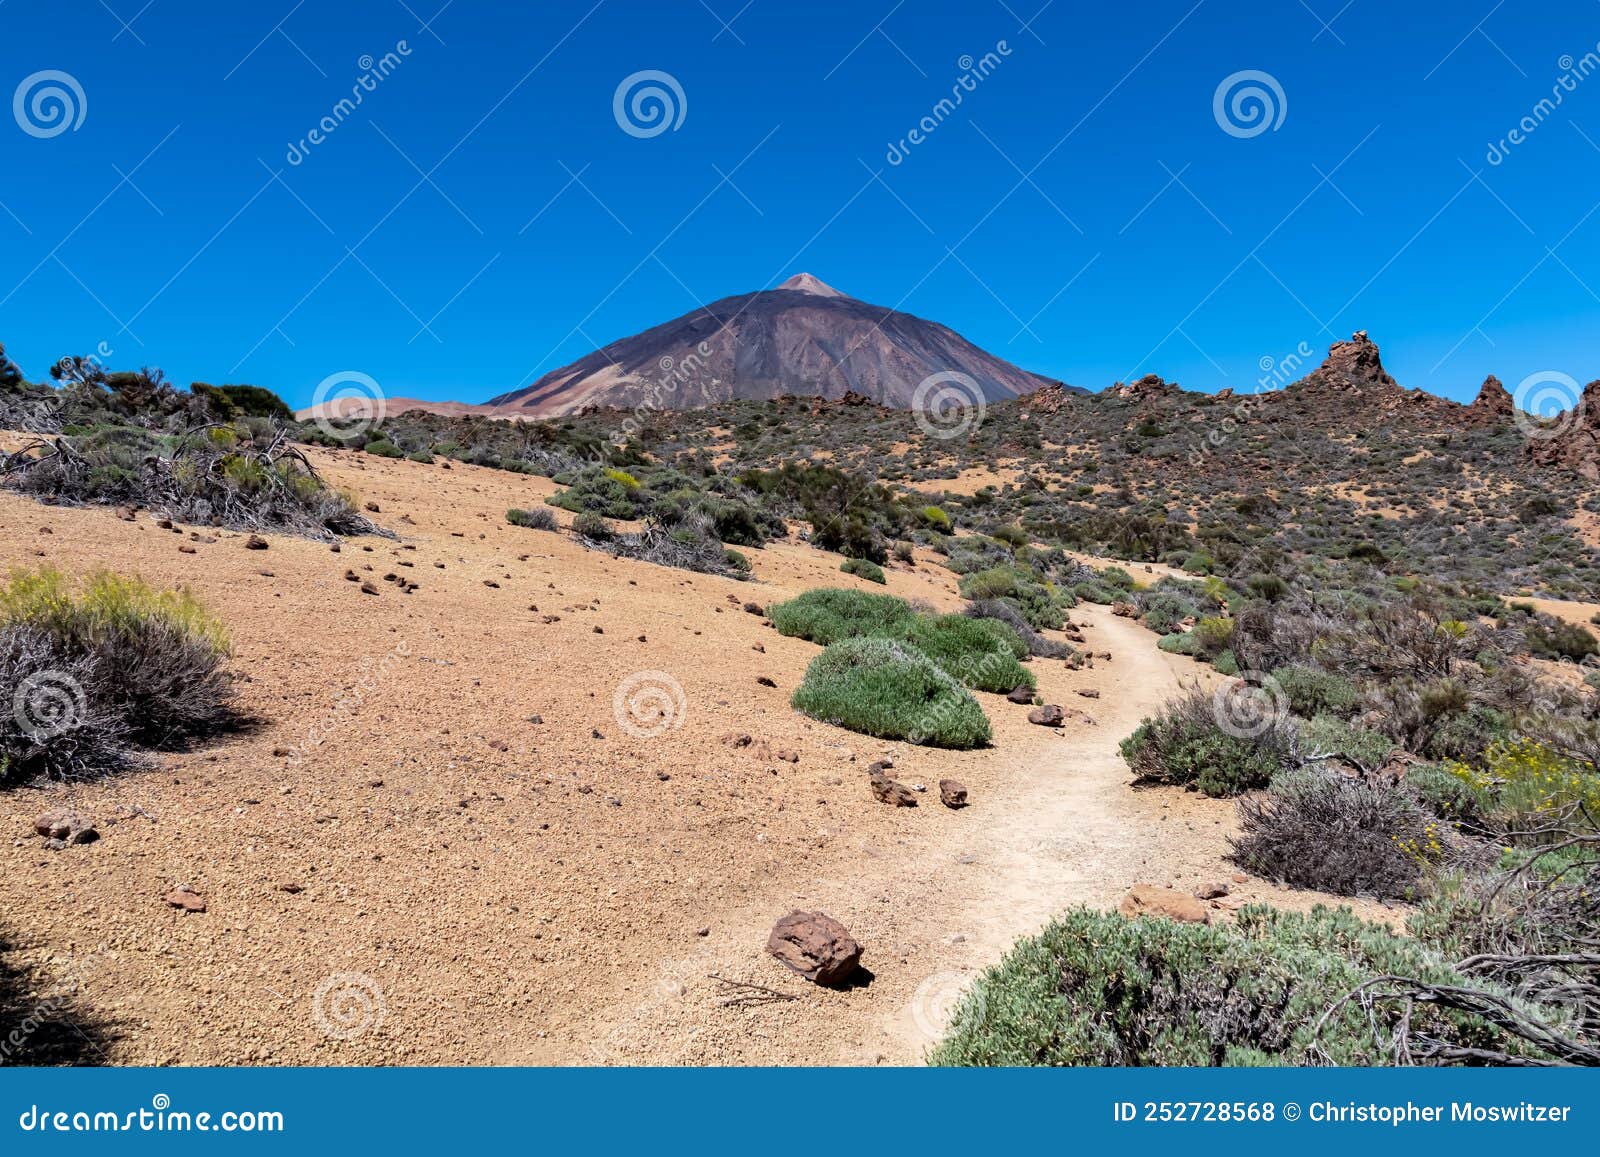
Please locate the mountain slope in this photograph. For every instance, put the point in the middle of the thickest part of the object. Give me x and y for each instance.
(803, 337)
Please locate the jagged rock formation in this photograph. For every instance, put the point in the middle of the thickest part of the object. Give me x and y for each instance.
(1493, 405)
(1572, 440)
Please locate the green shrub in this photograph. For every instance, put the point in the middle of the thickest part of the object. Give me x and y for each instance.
(981, 653)
(864, 568)
(1449, 796)
(383, 448)
(1559, 639)
(537, 519)
(889, 689)
(830, 614)
(1187, 744)
(935, 518)
(1311, 691)
(1036, 602)
(1095, 988)
(424, 456)
(1328, 735)
(589, 525)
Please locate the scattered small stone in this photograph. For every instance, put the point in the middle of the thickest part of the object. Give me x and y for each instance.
(788, 756)
(372, 508)
(549, 618)
(703, 931)
(953, 793)
(291, 887)
(1021, 693)
(764, 681)
(186, 898)
(736, 739)
(536, 719)
(1088, 692)
(1214, 890)
(758, 647)
(594, 733)
(368, 587)
(491, 583)
(69, 827)
(1047, 716)
(255, 542)
(888, 791)
(816, 946)
(186, 549)
(754, 609)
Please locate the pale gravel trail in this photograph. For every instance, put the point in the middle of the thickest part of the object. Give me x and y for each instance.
(1060, 827)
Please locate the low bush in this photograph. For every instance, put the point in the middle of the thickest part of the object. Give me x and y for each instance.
(1097, 989)
(1038, 645)
(1031, 597)
(1311, 691)
(866, 569)
(538, 518)
(981, 653)
(1329, 737)
(1333, 833)
(831, 614)
(1187, 744)
(1528, 789)
(889, 689)
(219, 477)
(593, 527)
(91, 669)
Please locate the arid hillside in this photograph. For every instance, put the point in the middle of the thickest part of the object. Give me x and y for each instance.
(437, 841)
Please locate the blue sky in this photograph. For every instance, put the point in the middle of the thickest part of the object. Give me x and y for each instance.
(482, 217)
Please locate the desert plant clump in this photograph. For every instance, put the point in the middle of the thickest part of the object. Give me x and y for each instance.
(865, 569)
(539, 518)
(1341, 834)
(100, 666)
(1189, 744)
(216, 475)
(1037, 644)
(983, 654)
(831, 614)
(1275, 988)
(891, 690)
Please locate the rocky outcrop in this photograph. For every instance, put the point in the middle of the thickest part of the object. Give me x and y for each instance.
(1493, 405)
(1146, 388)
(1572, 440)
